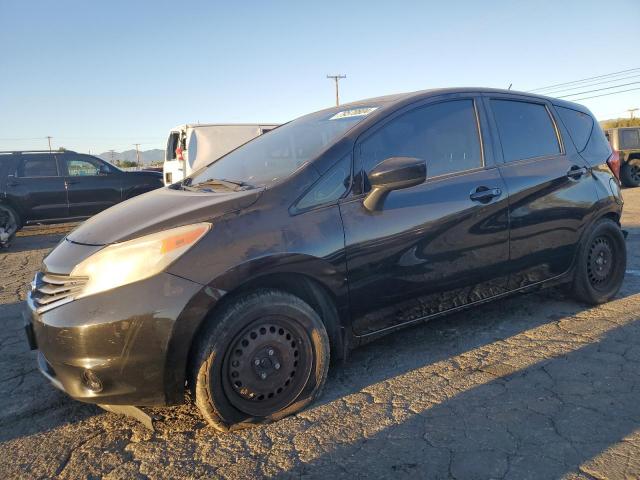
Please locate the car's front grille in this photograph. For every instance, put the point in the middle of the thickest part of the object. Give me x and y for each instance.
(50, 290)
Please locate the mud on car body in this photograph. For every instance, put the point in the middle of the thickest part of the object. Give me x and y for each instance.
(244, 280)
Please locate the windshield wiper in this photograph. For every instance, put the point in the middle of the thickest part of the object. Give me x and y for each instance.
(234, 185)
(239, 183)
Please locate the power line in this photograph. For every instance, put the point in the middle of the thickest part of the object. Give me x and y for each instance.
(605, 94)
(590, 85)
(599, 89)
(586, 79)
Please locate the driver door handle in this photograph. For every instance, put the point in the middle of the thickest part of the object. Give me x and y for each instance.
(484, 194)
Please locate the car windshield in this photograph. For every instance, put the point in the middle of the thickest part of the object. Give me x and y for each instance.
(277, 154)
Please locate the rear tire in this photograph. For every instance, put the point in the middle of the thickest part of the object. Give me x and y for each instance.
(630, 173)
(601, 263)
(263, 357)
(9, 224)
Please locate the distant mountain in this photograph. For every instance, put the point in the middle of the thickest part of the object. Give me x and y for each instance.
(147, 157)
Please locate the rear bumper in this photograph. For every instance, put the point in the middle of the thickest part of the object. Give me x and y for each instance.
(118, 347)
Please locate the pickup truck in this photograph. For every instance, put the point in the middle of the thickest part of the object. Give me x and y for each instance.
(626, 141)
(61, 186)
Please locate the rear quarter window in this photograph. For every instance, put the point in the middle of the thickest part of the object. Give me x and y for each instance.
(593, 145)
(598, 149)
(578, 124)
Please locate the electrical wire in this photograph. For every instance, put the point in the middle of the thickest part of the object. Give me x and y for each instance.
(586, 79)
(599, 89)
(605, 94)
(590, 85)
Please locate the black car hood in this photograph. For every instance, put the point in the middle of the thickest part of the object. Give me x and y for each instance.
(158, 210)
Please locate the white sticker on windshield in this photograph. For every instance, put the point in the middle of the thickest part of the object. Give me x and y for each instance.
(354, 112)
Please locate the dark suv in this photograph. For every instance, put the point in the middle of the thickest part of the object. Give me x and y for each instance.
(48, 187)
(245, 278)
(626, 143)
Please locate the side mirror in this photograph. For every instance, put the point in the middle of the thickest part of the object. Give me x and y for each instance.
(104, 170)
(394, 173)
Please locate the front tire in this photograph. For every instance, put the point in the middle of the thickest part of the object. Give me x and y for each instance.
(264, 356)
(601, 263)
(630, 173)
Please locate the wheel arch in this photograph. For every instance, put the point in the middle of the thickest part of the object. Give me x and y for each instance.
(615, 216)
(20, 215)
(632, 156)
(9, 203)
(611, 214)
(319, 291)
(311, 291)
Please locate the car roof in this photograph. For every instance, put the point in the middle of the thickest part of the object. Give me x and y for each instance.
(395, 99)
(36, 152)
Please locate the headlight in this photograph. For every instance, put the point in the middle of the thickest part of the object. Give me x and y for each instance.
(127, 262)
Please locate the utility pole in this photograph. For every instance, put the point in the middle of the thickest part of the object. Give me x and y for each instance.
(111, 155)
(631, 110)
(137, 154)
(49, 138)
(337, 78)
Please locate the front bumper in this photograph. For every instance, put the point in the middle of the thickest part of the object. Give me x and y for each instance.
(126, 338)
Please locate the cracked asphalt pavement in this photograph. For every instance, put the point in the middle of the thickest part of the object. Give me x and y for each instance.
(535, 386)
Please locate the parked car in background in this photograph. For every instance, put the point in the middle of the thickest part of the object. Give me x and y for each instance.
(193, 146)
(244, 279)
(59, 186)
(626, 142)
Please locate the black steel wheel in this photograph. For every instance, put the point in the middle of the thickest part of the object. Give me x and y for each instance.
(263, 356)
(601, 263)
(267, 366)
(630, 173)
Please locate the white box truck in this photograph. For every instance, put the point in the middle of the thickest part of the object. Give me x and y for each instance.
(193, 146)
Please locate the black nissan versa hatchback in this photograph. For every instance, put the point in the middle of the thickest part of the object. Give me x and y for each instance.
(241, 281)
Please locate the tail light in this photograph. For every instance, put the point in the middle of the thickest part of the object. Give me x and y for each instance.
(179, 155)
(614, 163)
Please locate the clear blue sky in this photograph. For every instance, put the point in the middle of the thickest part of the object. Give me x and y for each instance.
(105, 75)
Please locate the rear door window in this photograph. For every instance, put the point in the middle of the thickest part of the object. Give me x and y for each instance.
(526, 129)
(37, 166)
(579, 125)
